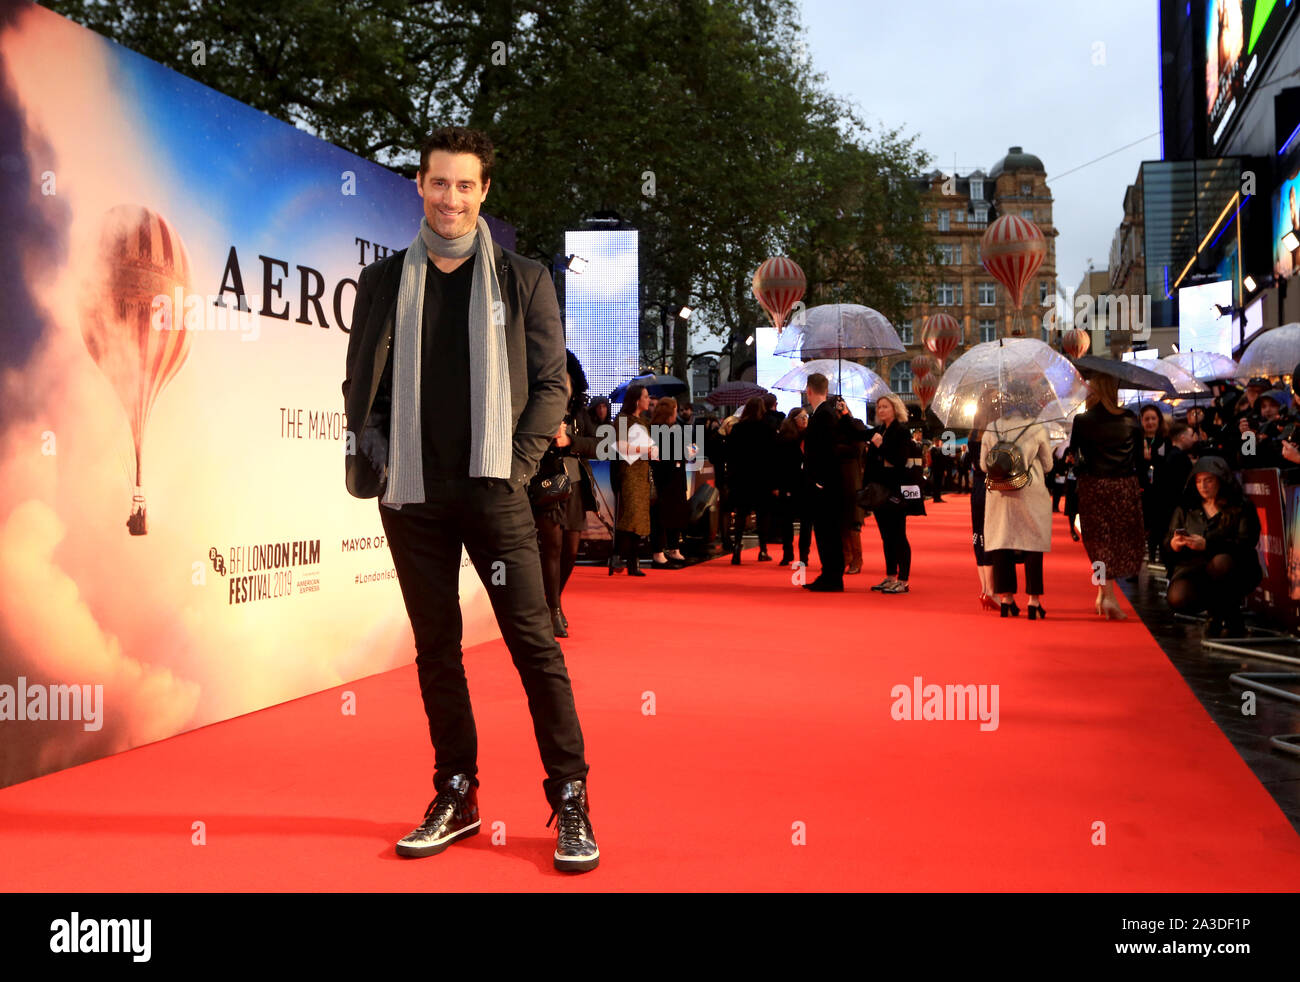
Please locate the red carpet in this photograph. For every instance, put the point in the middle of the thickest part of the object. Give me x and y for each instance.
(772, 707)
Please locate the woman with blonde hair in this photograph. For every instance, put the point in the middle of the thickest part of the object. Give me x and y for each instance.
(1106, 442)
(888, 452)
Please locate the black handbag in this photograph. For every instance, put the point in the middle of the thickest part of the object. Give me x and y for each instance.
(873, 495)
(547, 490)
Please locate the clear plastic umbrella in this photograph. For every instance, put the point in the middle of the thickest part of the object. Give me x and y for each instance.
(1185, 384)
(1024, 372)
(840, 330)
(1204, 365)
(1275, 352)
(848, 378)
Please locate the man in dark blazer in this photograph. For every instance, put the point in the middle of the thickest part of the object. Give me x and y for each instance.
(825, 484)
(489, 516)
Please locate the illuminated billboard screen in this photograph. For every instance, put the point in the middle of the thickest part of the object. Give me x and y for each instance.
(770, 367)
(1239, 34)
(1286, 224)
(602, 311)
(1225, 40)
(1200, 325)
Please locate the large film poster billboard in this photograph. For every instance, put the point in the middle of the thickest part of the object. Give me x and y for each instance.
(177, 545)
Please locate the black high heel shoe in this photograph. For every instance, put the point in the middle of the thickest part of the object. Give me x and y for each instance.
(1010, 610)
(1037, 611)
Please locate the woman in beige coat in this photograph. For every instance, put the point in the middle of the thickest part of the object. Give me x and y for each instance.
(1018, 512)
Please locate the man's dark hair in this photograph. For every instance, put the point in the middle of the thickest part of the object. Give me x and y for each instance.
(1177, 429)
(460, 139)
(819, 383)
(769, 401)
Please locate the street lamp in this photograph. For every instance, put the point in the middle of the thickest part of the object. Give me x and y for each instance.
(679, 312)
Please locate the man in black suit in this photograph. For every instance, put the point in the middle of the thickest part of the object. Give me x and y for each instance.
(470, 367)
(825, 485)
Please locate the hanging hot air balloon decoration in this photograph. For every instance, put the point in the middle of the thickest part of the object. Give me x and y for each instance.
(941, 333)
(925, 389)
(1012, 250)
(138, 344)
(779, 284)
(922, 365)
(1075, 343)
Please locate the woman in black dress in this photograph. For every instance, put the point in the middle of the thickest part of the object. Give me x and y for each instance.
(669, 513)
(560, 524)
(1106, 442)
(750, 446)
(790, 486)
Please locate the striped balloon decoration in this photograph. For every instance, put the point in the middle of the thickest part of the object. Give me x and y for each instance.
(923, 365)
(1075, 343)
(779, 284)
(941, 333)
(925, 389)
(1012, 250)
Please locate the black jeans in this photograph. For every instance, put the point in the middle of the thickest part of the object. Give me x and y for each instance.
(494, 522)
(1004, 571)
(892, 522)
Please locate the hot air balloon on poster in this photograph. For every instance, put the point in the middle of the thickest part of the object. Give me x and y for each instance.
(1075, 343)
(137, 344)
(1012, 250)
(941, 333)
(779, 284)
(923, 365)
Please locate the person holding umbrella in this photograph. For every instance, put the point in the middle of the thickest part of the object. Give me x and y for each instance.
(1106, 441)
(1016, 455)
(825, 486)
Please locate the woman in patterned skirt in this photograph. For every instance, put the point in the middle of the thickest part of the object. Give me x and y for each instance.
(1106, 442)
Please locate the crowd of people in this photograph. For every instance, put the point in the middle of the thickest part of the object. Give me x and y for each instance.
(1137, 487)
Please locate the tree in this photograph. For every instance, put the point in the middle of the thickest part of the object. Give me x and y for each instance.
(701, 123)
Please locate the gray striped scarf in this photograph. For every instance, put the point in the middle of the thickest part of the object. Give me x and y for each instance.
(491, 442)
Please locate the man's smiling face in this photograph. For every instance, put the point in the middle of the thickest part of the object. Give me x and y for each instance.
(453, 189)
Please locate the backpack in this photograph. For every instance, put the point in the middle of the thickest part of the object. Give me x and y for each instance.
(1006, 469)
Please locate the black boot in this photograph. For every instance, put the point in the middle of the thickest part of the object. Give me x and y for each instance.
(735, 553)
(557, 624)
(633, 569)
(575, 846)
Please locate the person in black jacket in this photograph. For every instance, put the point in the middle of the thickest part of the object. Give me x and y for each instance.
(790, 487)
(822, 466)
(437, 296)
(890, 449)
(850, 437)
(1106, 440)
(750, 447)
(1211, 541)
(669, 513)
(1150, 468)
(1171, 481)
(560, 525)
